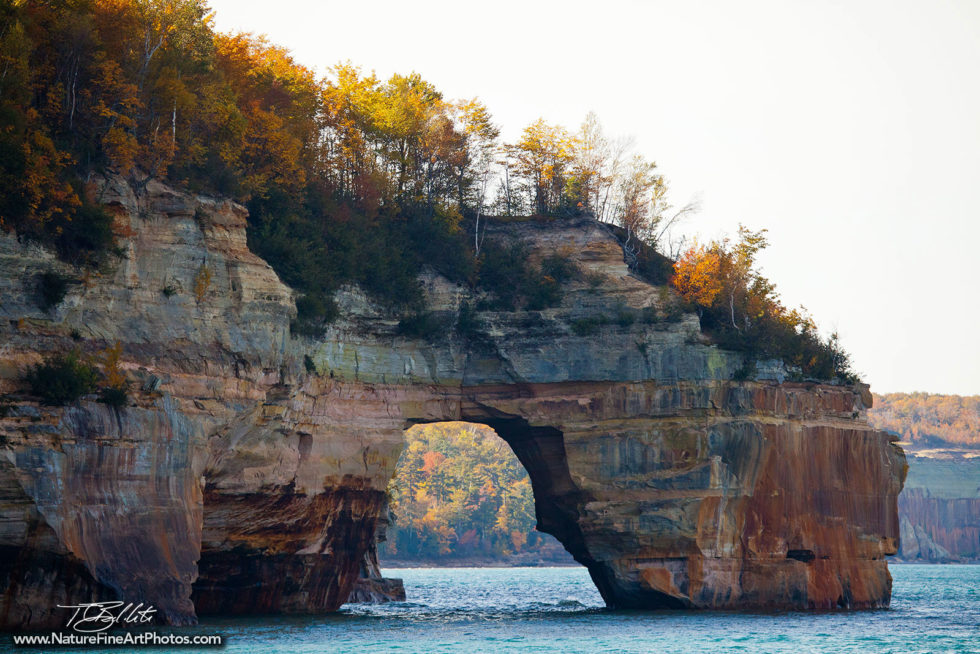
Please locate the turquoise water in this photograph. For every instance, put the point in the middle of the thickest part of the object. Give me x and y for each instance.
(934, 609)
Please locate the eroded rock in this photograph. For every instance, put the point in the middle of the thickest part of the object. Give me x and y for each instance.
(940, 508)
(237, 481)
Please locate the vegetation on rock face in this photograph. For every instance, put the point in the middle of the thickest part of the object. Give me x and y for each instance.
(928, 420)
(202, 282)
(62, 379)
(348, 178)
(459, 491)
(512, 282)
(115, 389)
(52, 288)
(423, 325)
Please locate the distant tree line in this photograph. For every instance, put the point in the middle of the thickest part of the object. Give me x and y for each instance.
(928, 420)
(459, 491)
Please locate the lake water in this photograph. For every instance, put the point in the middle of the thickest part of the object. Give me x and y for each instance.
(935, 608)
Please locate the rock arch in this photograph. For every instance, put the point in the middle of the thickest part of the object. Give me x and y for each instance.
(707, 495)
(248, 473)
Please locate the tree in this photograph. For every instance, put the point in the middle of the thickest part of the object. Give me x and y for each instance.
(637, 189)
(348, 101)
(543, 156)
(475, 166)
(742, 309)
(590, 167)
(402, 118)
(697, 276)
(278, 101)
(152, 43)
(738, 264)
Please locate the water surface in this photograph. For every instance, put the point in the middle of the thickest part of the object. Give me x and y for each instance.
(935, 608)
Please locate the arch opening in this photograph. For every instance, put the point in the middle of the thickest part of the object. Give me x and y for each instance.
(462, 495)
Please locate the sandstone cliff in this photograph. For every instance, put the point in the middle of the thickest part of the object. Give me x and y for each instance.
(939, 508)
(243, 480)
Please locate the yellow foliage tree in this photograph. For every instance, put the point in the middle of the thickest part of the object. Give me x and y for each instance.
(202, 282)
(543, 156)
(114, 376)
(697, 276)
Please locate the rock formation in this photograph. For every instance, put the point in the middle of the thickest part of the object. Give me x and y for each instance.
(371, 586)
(939, 508)
(248, 472)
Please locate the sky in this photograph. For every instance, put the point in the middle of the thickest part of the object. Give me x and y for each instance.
(849, 129)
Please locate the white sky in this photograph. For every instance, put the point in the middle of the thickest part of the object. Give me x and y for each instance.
(850, 129)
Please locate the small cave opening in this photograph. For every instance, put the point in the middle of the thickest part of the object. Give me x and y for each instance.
(801, 555)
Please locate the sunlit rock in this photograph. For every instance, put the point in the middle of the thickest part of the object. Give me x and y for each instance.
(243, 479)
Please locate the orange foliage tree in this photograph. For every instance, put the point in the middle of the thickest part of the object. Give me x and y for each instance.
(459, 491)
(697, 276)
(742, 309)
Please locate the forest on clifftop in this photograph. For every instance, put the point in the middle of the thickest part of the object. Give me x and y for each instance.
(348, 178)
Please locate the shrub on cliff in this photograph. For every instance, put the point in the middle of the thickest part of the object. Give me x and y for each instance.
(52, 288)
(588, 326)
(424, 325)
(62, 379)
(115, 391)
(87, 238)
(114, 397)
(515, 283)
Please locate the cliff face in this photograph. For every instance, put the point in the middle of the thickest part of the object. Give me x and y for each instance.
(240, 480)
(939, 508)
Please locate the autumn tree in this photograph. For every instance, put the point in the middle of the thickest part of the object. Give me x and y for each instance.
(278, 103)
(476, 160)
(346, 158)
(742, 282)
(115, 389)
(697, 276)
(543, 157)
(590, 165)
(149, 47)
(742, 310)
(725, 270)
(637, 189)
(459, 490)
